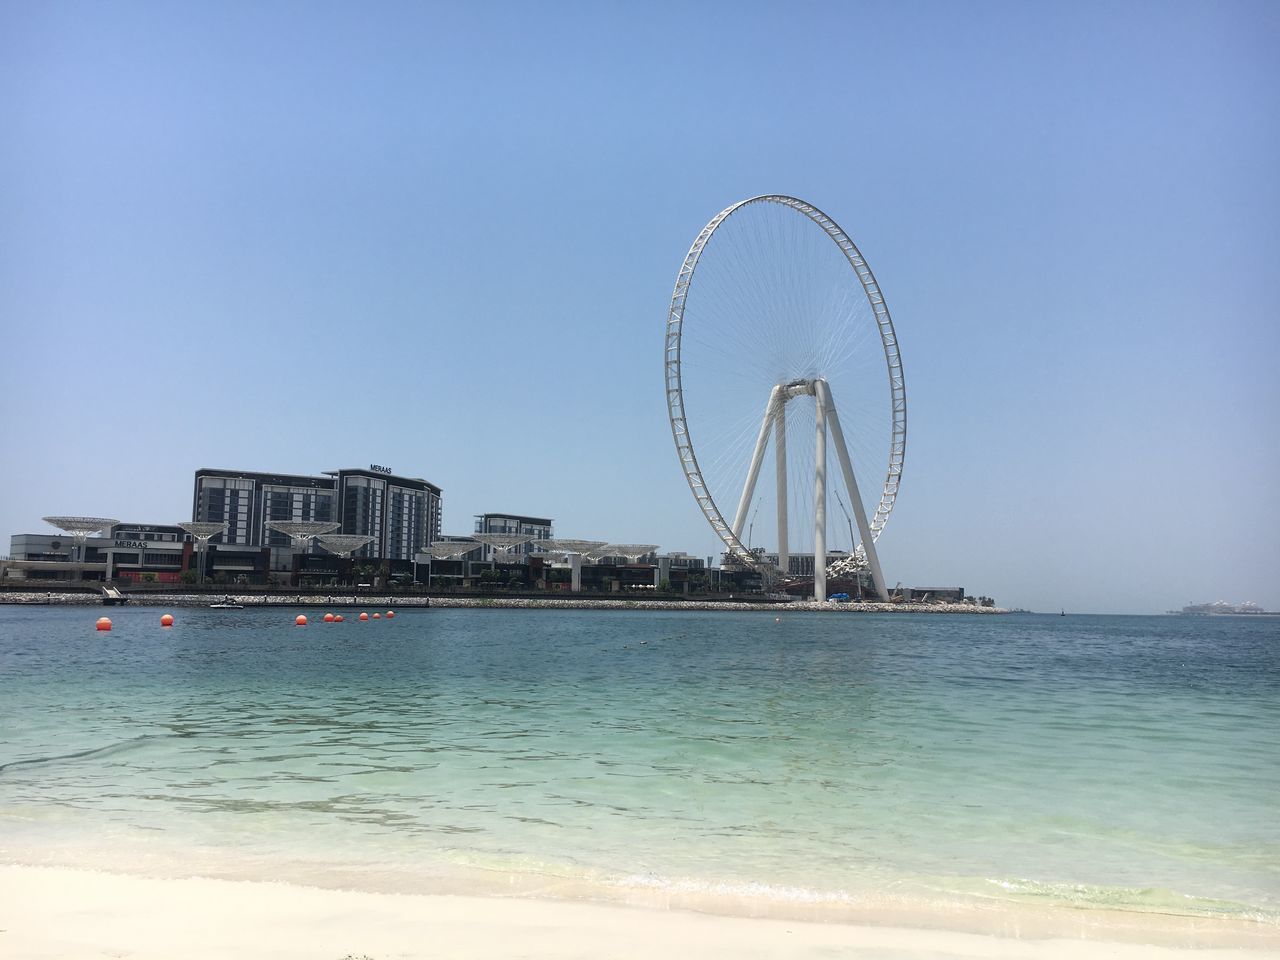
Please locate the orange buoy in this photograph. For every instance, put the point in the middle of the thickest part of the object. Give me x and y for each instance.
(166, 620)
(328, 618)
(377, 616)
(364, 616)
(390, 614)
(300, 620)
(338, 618)
(104, 623)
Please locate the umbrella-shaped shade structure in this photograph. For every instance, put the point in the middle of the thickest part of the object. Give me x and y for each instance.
(574, 550)
(451, 549)
(202, 530)
(628, 551)
(503, 542)
(80, 529)
(568, 547)
(343, 544)
(302, 532)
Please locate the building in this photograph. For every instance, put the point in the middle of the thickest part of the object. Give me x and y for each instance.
(51, 556)
(141, 552)
(247, 501)
(149, 552)
(801, 564)
(920, 594)
(538, 528)
(679, 560)
(402, 514)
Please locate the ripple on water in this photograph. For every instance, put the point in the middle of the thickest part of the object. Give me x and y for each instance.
(1116, 762)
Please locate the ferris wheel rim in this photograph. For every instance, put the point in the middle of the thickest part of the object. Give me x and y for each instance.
(680, 433)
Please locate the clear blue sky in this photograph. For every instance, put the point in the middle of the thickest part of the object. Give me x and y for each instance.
(299, 236)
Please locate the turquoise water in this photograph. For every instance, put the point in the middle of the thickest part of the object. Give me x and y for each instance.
(1092, 761)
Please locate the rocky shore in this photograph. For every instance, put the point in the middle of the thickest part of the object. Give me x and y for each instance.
(157, 599)
(808, 605)
(500, 603)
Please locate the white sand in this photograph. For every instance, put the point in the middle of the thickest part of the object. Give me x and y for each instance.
(48, 912)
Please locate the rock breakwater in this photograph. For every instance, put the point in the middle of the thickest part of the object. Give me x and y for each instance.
(486, 603)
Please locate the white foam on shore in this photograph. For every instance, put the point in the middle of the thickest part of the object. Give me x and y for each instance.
(61, 913)
(885, 903)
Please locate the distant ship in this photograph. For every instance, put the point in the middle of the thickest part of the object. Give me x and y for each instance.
(1221, 608)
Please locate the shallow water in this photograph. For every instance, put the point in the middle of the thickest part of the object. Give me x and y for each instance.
(1120, 762)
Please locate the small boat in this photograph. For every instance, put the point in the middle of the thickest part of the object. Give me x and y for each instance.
(226, 603)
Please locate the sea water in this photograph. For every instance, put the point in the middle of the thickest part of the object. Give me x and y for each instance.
(1130, 763)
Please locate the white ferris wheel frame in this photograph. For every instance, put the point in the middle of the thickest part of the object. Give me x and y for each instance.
(730, 533)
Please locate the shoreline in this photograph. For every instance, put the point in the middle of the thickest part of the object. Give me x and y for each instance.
(48, 912)
(149, 599)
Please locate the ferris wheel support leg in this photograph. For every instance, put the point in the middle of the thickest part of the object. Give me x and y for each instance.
(820, 498)
(851, 485)
(780, 457)
(753, 472)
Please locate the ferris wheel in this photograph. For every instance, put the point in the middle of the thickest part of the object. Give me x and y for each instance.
(775, 309)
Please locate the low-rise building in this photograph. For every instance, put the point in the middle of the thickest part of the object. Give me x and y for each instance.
(920, 594)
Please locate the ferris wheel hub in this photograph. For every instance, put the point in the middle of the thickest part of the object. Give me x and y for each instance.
(799, 388)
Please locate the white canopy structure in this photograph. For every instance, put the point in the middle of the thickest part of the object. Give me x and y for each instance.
(568, 547)
(628, 551)
(203, 530)
(503, 543)
(451, 549)
(80, 529)
(343, 544)
(574, 550)
(302, 532)
(447, 550)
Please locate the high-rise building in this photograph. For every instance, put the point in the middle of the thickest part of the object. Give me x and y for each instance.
(402, 514)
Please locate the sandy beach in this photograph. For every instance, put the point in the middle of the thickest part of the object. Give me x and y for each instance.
(48, 913)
